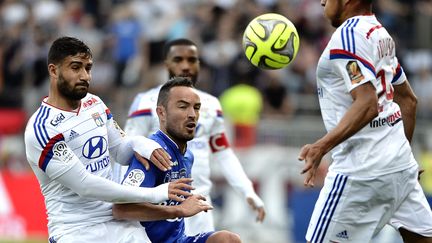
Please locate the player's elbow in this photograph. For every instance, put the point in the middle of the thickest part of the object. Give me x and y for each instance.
(118, 212)
(85, 192)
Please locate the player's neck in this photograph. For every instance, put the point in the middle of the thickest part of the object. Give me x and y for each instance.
(62, 103)
(357, 10)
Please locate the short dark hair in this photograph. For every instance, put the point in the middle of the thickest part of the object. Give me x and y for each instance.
(67, 46)
(173, 82)
(176, 42)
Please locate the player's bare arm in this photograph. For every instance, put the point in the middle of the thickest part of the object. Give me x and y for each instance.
(362, 111)
(406, 99)
(151, 212)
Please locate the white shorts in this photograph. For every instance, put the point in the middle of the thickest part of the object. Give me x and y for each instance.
(354, 209)
(199, 223)
(109, 232)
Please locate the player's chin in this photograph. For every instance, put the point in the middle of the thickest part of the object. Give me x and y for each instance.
(189, 134)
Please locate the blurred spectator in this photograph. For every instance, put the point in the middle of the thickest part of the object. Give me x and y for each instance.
(425, 161)
(126, 34)
(419, 64)
(277, 103)
(423, 23)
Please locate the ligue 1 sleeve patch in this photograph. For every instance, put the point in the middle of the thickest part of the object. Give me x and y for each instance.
(62, 152)
(134, 178)
(354, 72)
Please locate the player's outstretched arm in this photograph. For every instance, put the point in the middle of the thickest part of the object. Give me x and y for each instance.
(87, 185)
(150, 212)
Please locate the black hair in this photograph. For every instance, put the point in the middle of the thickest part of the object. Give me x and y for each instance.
(173, 82)
(67, 46)
(176, 42)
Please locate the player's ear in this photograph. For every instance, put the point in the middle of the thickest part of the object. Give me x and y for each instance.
(161, 113)
(52, 70)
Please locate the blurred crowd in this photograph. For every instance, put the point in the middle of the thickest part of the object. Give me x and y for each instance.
(127, 37)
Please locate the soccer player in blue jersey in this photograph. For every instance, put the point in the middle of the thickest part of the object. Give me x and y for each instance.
(178, 108)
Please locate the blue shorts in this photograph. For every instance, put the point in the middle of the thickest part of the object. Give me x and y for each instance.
(199, 238)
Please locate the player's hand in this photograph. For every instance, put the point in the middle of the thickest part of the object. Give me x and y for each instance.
(143, 160)
(178, 188)
(193, 205)
(257, 206)
(312, 154)
(161, 159)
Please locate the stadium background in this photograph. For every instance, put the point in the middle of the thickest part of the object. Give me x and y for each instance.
(127, 38)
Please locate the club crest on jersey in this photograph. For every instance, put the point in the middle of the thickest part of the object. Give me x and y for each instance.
(354, 72)
(134, 178)
(98, 119)
(59, 118)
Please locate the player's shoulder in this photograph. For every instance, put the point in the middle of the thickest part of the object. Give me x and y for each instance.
(145, 100)
(44, 124)
(354, 32)
(208, 99)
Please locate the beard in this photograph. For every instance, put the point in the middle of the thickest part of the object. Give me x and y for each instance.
(192, 78)
(71, 92)
(178, 136)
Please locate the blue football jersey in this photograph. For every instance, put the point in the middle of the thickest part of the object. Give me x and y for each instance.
(169, 230)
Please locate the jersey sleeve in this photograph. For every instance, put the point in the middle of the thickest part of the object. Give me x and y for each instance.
(218, 140)
(115, 133)
(47, 150)
(399, 73)
(138, 176)
(352, 56)
(140, 118)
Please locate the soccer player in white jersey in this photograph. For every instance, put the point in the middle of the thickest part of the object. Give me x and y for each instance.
(210, 144)
(368, 109)
(69, 141)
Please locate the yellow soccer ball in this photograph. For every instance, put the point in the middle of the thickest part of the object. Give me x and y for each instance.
(271, 41)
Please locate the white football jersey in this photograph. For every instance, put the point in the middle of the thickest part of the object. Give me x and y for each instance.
(209, 136)
(53, 137)
(361, 51)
